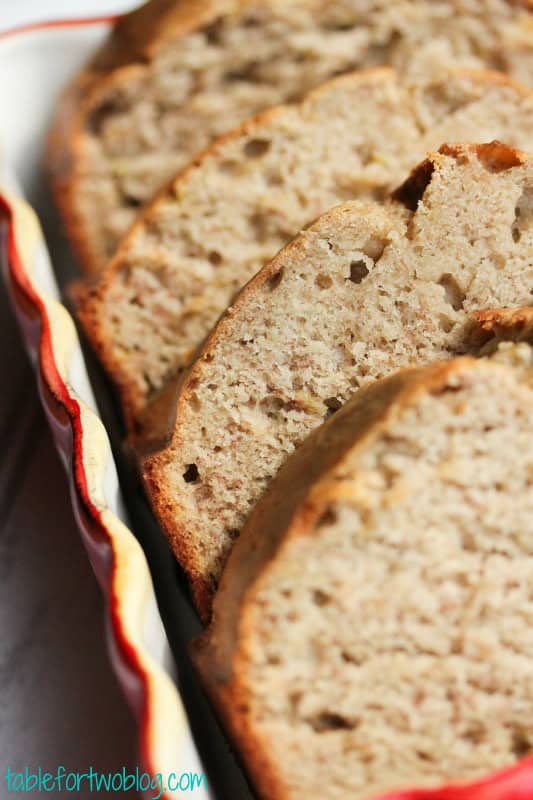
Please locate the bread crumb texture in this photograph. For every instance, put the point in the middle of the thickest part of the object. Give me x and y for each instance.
(230, 59)
(388, 642)
(367, 289)
(197, 245)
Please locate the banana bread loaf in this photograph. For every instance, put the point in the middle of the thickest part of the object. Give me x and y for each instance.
(367, 289)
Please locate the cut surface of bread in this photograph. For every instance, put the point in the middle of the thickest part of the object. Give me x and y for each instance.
(373, 629)
(365, 290)
(176, 74)
(225, 216)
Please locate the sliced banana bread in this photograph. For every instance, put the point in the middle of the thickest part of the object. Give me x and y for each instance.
(253, 190)
(175, 74)
(367, 289)
(374, 627)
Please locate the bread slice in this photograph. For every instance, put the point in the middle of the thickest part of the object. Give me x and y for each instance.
(175, 74)
(365, 290)
(372, 632)
(231, 211)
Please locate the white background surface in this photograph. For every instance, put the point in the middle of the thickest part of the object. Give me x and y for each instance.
(21, 12)
(59, 701)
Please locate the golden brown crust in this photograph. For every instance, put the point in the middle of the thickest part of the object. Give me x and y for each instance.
(133, 41)
(508, 324)
(299, 496)
(138, 35)
(495, 155)
(505, 319)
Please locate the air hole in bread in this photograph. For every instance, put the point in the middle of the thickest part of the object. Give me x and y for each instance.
(233, 533)
(274, 179)
(274, 281)
(261, 225)
(255, 148)
(453, 293)
(520, 743)
(248, 73)
(327, 721)
(295, 698)
(523, 214)
(474, 733)
(324, 281)
(445, 323)
(191, 474)
(303, 57)
(358, 271)
(251, 22)
(350, 659)
(329, 517)
(133, 202)
(273, 404)
(101, 114)
(228, 167)
(215, 258)
(320, 598)
(332, 404)
(213, 32)
(338, 25)
(266, 227)
(423, 756)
